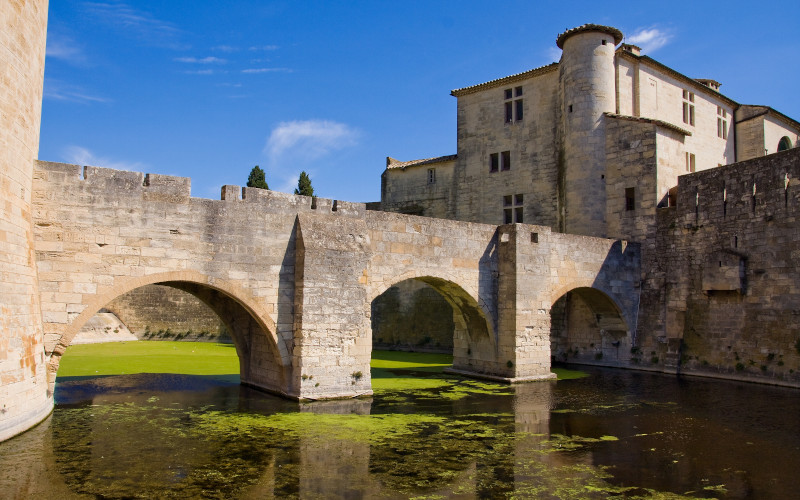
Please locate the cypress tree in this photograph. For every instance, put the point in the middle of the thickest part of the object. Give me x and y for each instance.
(257, 179)
(304, 185)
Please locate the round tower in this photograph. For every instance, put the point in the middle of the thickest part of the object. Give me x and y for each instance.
(587, 90)
(24, 400)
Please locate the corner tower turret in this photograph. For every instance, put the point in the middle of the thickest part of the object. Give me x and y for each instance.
(587, 90)
(24, 399)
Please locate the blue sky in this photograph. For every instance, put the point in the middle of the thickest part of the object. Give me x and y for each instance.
(208, 89)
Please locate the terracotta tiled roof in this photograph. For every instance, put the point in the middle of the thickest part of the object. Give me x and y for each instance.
(505, 80)
(617, 34)
(640, 119)
(391, 163)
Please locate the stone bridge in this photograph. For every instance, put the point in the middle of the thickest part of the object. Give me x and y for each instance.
(293, 277)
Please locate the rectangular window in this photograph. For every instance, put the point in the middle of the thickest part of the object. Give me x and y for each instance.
(688, 107)
(494, 162)
(431, 176)
(506, 160)
(513, 107)
(690, 162)
(513, 210)
(722, 123)
(630, 198)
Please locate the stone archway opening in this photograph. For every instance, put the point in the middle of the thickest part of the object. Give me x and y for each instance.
(208, 314)
(784, 144)
(587, 327)
(431, 314)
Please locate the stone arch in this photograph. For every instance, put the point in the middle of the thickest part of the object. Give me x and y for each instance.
(252, 328)
(784, 144)
(474, 336)
(587, 325)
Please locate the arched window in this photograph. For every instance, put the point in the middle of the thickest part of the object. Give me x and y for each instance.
(784, 144)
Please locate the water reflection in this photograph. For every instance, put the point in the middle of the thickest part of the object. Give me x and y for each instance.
(613, 433)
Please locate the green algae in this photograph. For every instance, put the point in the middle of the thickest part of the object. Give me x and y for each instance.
(123, 358)
(566, 374)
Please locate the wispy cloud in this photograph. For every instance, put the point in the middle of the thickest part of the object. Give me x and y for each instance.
(82, 156)
(60, 91)
(225, 48)
(649, 39)
(201, 72)
(263, 47)
(252, 71)
(308, 140)
(201, 60)
(65, 49)
(553, 54)
(137, 23)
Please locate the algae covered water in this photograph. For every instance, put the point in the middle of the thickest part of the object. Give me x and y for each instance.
(424, 434)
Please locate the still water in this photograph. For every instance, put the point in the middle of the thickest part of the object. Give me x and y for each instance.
(613, 433)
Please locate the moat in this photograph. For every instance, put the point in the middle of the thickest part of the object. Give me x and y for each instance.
(424, 434)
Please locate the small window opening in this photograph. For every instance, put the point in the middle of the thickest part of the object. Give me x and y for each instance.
(735, 242)
(518, 91)
(509, 112)
(604, 42)
(507, 200)
(534, 237)
(784, 144)
(508, 94)
(335, 206)
(506, 160)
(570, 108)
(313, 203)
(630, 198)
(431, 176)
(494, 162)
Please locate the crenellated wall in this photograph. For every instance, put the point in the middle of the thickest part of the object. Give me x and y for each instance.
(722, 296)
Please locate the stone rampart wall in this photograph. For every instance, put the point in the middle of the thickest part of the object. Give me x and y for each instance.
(724, 297)
(157, 312)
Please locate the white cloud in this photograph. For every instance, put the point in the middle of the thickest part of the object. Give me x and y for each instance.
(649, 39)
(60, 91)
(82, 156)
(299, 142)
(251, 71)
(203, 60)
(200, 72)
(64, 48)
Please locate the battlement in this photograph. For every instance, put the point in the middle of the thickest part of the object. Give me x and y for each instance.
(172, 189)
(767, 187)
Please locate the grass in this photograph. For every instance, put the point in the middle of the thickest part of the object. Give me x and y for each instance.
(390, 369)
(120, 358)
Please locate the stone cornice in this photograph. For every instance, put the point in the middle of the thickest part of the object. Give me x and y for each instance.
(505, 80)
(392, 164)
(659, 123)
(609, 30)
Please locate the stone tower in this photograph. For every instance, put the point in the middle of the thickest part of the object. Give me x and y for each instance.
(24, 400)
(587, 90)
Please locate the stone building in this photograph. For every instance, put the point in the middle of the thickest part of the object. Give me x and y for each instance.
(595, 145)
(590, 145)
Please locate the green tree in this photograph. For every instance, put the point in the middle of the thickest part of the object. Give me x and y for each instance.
(304, 185)
(257, 179)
